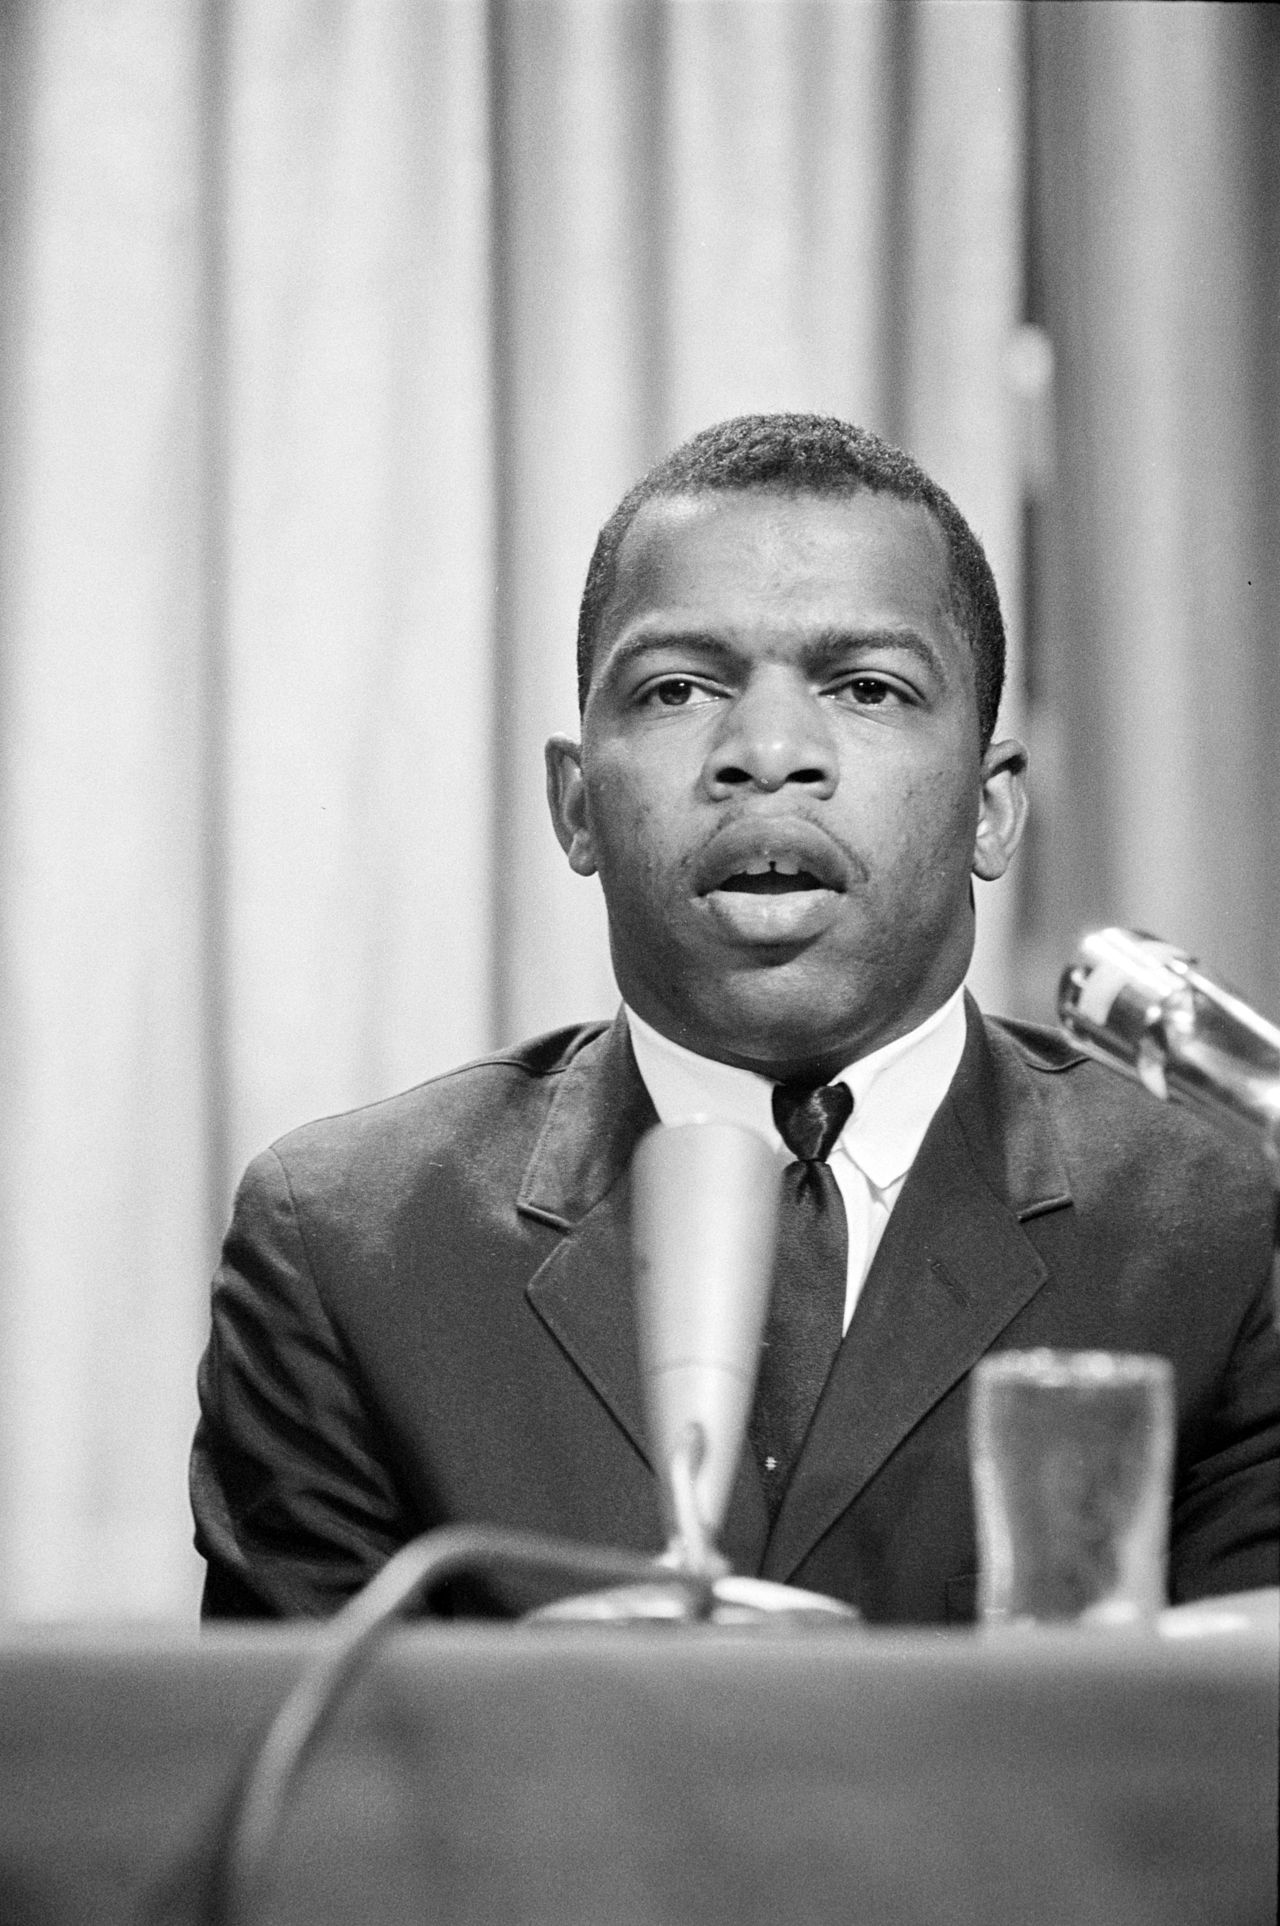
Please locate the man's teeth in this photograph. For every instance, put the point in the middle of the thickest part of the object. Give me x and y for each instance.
(767, 878)
(782, 865)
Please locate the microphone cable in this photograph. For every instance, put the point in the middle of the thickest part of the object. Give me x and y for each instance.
(257, 1806)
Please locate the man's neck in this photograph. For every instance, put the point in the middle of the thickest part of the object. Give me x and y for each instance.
(690, 1080)
(794, 1067)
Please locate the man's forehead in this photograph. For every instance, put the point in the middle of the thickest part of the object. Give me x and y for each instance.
(716, 549)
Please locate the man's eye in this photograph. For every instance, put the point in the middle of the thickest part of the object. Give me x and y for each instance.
(676, 692)
(869, 691)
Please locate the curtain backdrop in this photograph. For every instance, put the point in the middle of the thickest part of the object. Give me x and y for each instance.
(1155, 661)
(330, 333)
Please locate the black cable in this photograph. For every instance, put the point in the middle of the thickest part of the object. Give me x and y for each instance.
(259, 1798)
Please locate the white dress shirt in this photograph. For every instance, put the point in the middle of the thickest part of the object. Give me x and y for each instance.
(896, 1090)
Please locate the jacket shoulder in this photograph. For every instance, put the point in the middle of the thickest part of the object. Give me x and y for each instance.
(1039, 1047)
(468, 1112)
(1114, 1133)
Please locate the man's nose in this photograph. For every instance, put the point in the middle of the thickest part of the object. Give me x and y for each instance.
(774, 732)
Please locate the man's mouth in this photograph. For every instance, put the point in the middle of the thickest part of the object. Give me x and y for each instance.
(773, 879)
(772, 884)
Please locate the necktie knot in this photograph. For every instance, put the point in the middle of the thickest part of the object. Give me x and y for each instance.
(810, 1118)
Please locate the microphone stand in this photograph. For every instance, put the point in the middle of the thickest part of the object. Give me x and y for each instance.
(692, 1582)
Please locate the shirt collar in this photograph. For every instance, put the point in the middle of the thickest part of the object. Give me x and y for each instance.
(896, 1090)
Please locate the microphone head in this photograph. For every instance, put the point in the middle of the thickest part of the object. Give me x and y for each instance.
(1151, 1010)
(703, 1230)
(1113, 995)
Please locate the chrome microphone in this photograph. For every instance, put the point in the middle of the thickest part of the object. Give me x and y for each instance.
(705, 1206)
(1150, 1010)
(704, 1212)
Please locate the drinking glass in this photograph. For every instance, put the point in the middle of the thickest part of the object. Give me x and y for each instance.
(1072, 1455)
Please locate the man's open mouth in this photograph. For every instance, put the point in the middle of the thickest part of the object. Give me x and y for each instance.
(772, 881)
(772, 885)
(755, 857)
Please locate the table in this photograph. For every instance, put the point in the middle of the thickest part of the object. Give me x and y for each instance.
(567, 1777)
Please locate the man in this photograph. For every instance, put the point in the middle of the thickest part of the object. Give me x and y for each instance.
(791, 654)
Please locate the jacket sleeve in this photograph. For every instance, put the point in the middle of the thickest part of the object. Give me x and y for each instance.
(294, 1505)
(1225, 1533)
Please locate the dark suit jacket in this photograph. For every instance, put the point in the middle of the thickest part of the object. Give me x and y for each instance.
(424, 1315)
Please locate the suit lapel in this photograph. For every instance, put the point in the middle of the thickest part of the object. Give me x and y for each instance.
(954, 1267)
(578, 1181)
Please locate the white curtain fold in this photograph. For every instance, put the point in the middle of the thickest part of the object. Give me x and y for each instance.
(358, 763)
(101, 1143)
(1159, 670)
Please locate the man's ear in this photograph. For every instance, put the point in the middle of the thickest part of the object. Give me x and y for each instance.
(567, 799)
(1004, 808)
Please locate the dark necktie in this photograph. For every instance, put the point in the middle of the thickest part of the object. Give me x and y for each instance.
(806, 1312)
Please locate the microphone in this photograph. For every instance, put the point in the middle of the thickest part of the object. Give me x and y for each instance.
(1150, 1010)
(705, 1206)
(704, 1218)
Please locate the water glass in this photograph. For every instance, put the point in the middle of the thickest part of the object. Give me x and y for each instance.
(1072, 1455)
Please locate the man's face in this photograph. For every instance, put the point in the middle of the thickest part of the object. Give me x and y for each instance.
(780, 782)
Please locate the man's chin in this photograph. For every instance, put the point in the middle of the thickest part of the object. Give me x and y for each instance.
(777, 1022)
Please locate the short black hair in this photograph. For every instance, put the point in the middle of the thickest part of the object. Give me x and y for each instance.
(808, 454)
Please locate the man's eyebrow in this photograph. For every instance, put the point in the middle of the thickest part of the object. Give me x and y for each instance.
(708, 647)
(834, 645)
